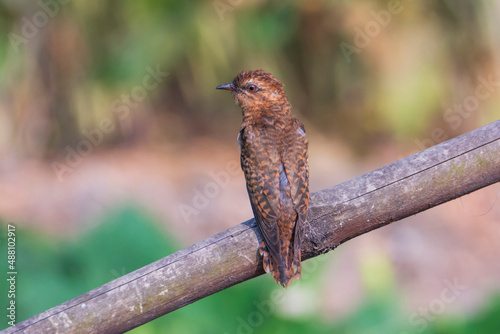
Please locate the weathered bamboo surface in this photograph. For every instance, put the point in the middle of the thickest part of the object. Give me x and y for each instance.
(403, 188)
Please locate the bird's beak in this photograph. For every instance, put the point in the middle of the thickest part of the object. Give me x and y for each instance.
(228, 86)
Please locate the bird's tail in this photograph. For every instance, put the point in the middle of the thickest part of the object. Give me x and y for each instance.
(290, 266)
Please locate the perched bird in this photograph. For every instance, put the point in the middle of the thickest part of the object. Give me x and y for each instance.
(273, 148)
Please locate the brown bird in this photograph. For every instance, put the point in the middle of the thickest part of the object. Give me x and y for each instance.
(273, 148)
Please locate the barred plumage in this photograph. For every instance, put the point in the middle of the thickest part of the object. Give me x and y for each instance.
(274, 160)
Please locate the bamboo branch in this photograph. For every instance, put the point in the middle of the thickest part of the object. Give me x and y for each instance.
(403, 188)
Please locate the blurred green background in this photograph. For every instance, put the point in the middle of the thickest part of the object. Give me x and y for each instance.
(110, 125)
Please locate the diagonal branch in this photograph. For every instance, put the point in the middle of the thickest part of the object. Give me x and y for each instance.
(403, 188)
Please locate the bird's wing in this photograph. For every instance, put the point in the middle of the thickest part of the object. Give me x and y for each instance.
(297, 168)
(261, 164)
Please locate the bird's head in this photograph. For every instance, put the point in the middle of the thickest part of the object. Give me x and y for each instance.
(258, 93)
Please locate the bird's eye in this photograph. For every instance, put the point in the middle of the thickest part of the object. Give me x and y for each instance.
(252, 87)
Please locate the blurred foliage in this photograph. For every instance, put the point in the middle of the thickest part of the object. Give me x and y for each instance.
(418, 62)
(54, 270)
